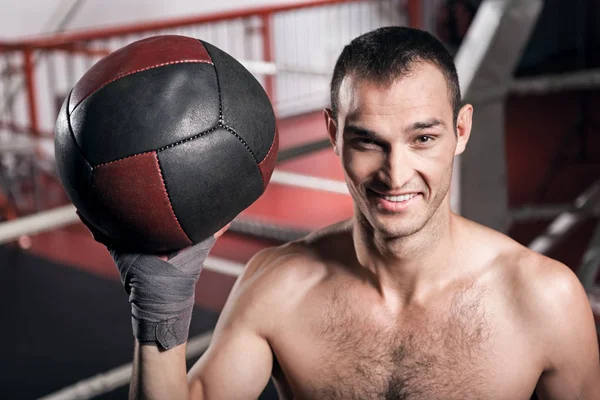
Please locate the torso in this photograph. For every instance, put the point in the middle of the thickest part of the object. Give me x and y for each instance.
(339, 340)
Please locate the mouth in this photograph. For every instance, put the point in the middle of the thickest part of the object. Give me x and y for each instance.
(393, 203)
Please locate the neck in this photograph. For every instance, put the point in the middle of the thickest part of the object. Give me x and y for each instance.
(409, 267)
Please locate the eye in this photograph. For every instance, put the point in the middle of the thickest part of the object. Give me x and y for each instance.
(424, 139)
(365, 143)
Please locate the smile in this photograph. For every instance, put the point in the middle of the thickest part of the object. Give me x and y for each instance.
(393, 203)
(399, 199)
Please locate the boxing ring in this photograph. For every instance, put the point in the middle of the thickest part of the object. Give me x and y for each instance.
(307, 190)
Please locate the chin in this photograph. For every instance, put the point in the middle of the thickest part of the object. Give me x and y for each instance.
(397, 230)
(395, 225)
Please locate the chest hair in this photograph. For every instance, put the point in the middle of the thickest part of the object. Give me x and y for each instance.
(439, 354)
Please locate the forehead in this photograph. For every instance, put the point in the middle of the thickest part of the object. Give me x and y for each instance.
(423, 92)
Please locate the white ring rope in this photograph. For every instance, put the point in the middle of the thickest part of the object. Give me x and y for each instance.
(586, 79)
(580, 80)
(260, 67)
(120, 376)
(223, 266)
(38, 223)
(309, 182)
(567, 220)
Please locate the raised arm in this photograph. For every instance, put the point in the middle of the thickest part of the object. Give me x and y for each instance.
(237, 364)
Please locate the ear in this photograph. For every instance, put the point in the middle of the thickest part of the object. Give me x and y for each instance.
(331, 128)
(464, 122)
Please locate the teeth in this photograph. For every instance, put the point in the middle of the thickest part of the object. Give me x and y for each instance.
(399, 199)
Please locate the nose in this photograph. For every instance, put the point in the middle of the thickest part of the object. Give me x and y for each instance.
(397, 170)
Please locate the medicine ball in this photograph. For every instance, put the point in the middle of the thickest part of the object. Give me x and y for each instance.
(165, 141)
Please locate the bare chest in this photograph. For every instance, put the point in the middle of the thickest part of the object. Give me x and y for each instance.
(458, 353)
(412, 362)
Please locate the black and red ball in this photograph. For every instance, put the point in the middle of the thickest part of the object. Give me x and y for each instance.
(163, 142)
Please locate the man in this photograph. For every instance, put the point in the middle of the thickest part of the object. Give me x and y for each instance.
(404, 301)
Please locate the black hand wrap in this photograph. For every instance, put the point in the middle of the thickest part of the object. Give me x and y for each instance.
(162, 293)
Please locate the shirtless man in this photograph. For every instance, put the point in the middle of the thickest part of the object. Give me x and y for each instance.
(406, 300)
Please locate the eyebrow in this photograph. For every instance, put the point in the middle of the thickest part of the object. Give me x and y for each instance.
(422, 125)
(415, 127)
(357, 130)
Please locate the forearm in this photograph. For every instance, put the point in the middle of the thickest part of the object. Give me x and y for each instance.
(159, 374)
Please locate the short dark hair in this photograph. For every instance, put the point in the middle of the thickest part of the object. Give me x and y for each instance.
(385, 54)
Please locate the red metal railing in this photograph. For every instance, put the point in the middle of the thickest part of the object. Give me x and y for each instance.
(28, 67)
(79, 42)
(268, 53)
(414, 10)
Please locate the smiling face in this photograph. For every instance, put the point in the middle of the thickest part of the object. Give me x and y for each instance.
(397, 145)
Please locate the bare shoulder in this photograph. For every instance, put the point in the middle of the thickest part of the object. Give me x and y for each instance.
(548, 298)
(550, 291)
(275, 269)
(555, 300)
(559, 319)
(531, 273)
(542, 288)
(308, 258)
(546, 279)
(280, 277)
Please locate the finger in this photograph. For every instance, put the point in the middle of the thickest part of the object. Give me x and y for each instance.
(221, 231)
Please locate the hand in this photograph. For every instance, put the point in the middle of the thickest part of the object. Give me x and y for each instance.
(218, 234)
(161, 288)
(162, 293)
